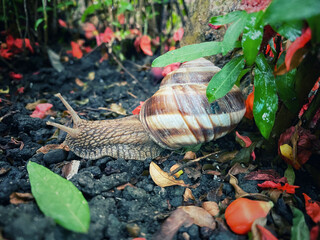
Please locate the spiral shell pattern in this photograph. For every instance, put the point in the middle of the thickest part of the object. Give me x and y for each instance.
(179, 113)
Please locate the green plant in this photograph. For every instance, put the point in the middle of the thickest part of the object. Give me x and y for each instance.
(288, 19)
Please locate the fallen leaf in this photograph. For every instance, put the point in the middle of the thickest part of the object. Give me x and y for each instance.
(123, 186)
(162, 178)
(5, 91)
(286, 187)
(244, 141)
(172, 224)
(15, 76)
(41, 110)
(189, 155)
(70, 169)
(76, 51)
(200, 216)
(312, 208)
(91, 76)
(188, 195)
(45, 149)
(234, 182)
(117, 108)
(32, 106)
(237, 168)
(79, 82)
(17, 198)
(174, 167)
(211, 207)
(265, 175)
(4, 170)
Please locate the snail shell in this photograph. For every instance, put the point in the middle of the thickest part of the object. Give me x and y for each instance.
(179, 113)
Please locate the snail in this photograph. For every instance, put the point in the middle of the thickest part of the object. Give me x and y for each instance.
(177, 115)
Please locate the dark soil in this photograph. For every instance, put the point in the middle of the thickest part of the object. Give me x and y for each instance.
(114, 213)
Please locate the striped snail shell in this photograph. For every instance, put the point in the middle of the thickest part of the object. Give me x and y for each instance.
(179, 113)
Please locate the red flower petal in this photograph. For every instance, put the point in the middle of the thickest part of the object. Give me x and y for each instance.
(265, 233)
(76, 51)
(41, 110)
(300, 42)
(177, 36)
(312, 208)
(136, 111)
(16, 76)
(145, 45)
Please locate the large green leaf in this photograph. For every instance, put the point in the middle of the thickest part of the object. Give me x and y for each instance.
(299, 229)
(59, 198)
(223, 81)
(313, 23)
(285, 89)
(287, 10)
(225, 19)
(233, 32)
(265, 102)
(291, 30)
(188, 53)
(252, 37)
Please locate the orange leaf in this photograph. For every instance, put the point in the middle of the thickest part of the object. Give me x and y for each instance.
(76, 51)
(300, 42)
(249, 105)
(136, 111)
(145, 45)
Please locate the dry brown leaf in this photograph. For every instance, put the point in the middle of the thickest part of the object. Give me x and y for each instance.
(70, 169)
(123, 186)
(162, 178)
(4, 170)
(32, 106)
(188, 195)
(17, 198)
(234, 182)
(211, 207)
(237, 168)
(172, 224)
(255, 231)
(174, 167)
(200, 216)
(45, 149)
(189, 155)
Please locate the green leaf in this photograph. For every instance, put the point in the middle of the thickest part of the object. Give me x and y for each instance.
(265, 102)
(286, 90)
(223, 81)
(188, 53)
(299, 229)
(90, 10)
(252, 37)
(59, 198)
(38, 22)
(242, 73)
(225, 19)
(291, 30)
(290, 175)
(313, 23)
(284, 10)
(233, 32)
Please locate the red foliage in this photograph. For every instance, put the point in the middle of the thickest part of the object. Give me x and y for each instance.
(171, 67)
(41, 110)
(254, 5)
(145, 45)
(265, 234)
(215, 27)
(136, 111)
(20, 90)
(14, 46)
(300, 42)
(76, 50)
(266, 175)
(177, 36)
(107, 35)
(312, 208)
(121, 18)
(249, 105)
(5, 53)
(62, 23)
(15, 76)
(268, 33)
(314, 233)
(90, 30)
(307, 143)
(286, 187)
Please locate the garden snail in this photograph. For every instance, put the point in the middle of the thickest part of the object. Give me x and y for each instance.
(177, 115)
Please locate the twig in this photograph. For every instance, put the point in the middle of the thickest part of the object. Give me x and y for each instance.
(187, 164)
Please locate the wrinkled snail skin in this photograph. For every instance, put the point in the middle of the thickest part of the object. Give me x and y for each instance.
(177, 115)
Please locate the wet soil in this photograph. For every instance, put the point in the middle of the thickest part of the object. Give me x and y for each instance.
(137, 210)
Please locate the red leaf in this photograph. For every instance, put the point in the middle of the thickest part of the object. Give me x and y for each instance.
(10, 41)
(5, 53)
(136, 44)
(20, 90)
(62, 23)
(254, 5)
(76, 51)
(28, 45)
(41, 110)
(312, 208)
(265, 233)
(136, 111)
(107, 35)
(245, 139)
(16, 76)
(135, 32)
(215, 27)
(121, 18)
(314, 233)
(249, 105)
(177, 36)
(145, 45)
(270, 184)
(89, 30)
(266, 175)
(300, 42)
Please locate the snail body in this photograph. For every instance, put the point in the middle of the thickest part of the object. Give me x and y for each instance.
(177, 115)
